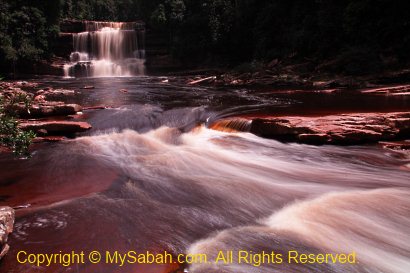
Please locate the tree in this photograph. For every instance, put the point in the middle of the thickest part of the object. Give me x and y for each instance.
(26, 31)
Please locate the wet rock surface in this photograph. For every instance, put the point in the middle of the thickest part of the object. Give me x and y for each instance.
(396, 145)
(6, 227)
(303, 75)
(56, 94)
(55, 127)
(47, 109)
(343, 129)
(399, 90)
(46, 114)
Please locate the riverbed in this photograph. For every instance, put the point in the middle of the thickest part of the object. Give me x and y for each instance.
(151, 176)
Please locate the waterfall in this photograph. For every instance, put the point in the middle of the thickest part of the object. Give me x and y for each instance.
(107, 49)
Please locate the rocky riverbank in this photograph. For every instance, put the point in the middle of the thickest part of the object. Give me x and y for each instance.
(275, 74)
(52, 119)
(338, 129)
(343, 129)
(45, 112)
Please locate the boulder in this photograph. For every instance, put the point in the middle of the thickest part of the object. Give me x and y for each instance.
(56, 94)
(278, 128)
(47, 109)
(26, 86)
(6, 227)
(40, 99)
(15, 92)
(343, 129)
(40, 104)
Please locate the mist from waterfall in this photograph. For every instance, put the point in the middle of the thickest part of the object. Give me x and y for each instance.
(107, 49)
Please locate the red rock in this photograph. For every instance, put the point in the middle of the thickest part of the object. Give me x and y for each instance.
(7, 216)
(56, 127)
(4, 149)
(279, 128)
(396, 145)
(98, 107)
(232, 125)
(325, 84)
(20, 84)
(47, 109)
(390, 90)
(14, 92)
(315, 139)
(58, 94)
(40, 98)
(344, 129)
(42, 132)
(49, 139)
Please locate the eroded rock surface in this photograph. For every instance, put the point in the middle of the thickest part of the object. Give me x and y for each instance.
(47, 109)
(343, 129)
(6, 227)
(39, 104)
(55, 127)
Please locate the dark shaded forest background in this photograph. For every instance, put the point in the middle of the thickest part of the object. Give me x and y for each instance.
(360, 36)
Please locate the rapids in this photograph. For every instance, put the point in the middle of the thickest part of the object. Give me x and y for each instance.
(151, 175)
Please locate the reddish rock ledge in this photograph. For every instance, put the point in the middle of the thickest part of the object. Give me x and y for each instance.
(47, 114)
(55, 127)
(343, 129)
(47, 109)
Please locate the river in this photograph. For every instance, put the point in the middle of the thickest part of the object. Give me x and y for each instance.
(151, 175)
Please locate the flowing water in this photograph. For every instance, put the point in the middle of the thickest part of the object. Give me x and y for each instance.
(151, 175)
(107, 49)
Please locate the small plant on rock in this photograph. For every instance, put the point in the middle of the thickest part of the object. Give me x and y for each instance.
(11, 136)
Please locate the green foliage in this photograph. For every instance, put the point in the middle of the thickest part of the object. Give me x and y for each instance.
(14, 138)
(176, 10)
(231, 31)
(221, 17)
(26, 30)
(158, 17)
(168, 15)
(237, 31)
(11, 136)
(109, 10)
(29, 33)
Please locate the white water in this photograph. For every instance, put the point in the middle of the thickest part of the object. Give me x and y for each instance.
(287, 197)
(107, 49)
